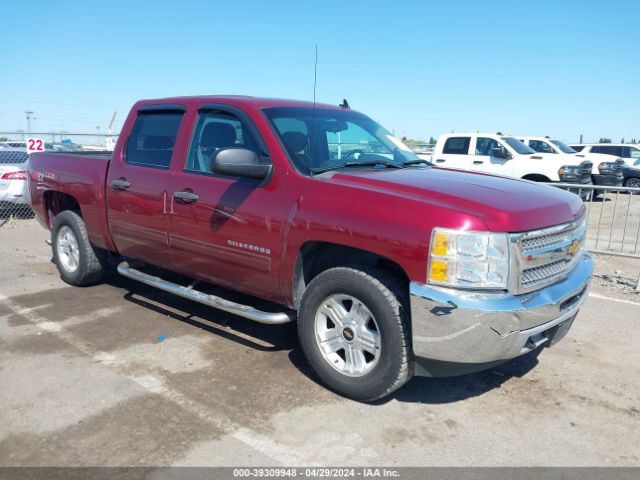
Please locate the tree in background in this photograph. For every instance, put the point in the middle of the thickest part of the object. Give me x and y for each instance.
(4, 139)
(432, 140)
(604, 140)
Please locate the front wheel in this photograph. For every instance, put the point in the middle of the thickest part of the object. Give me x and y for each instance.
(78, 262)
(354, 330)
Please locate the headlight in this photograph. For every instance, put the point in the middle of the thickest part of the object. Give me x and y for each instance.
(468, 259)
(607, 167)
(570, 171)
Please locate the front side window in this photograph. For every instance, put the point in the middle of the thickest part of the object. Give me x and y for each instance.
(577, 148)
(540, 146)
(215, 130)
(152, 139)
(457, 146)
(333, 139)
(485, 146)
(518, 146)
(634, 152)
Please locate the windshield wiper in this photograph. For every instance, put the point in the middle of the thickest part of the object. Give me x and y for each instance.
(417, 162)
(372, 163)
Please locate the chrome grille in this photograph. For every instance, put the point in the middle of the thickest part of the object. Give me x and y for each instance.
(545, 256)
(534, 276)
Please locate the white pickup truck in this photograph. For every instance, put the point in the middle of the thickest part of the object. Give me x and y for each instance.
(606, 171)
(505, 155)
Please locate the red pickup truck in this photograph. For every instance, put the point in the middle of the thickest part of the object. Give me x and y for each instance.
(389, 266)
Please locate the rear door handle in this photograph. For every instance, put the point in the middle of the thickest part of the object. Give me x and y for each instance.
(478, 162)
(186, 196)
(120, 184)
(440, 160)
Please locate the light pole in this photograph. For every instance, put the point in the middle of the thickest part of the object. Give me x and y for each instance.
(30, 116)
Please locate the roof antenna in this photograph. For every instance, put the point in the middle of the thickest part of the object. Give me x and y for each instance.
(313, 114)
(344, 104)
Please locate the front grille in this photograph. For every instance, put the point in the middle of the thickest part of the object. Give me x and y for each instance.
(587, 167)
(536, 275)
(547, 255)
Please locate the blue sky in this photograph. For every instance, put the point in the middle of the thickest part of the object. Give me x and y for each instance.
(420, 68)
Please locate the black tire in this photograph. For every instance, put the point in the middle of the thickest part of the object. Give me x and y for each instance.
(632, 182)
(387, 300)
(92, 261)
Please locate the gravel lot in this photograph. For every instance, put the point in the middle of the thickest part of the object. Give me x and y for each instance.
(120, 374)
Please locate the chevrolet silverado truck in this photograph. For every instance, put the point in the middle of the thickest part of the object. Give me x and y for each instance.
(318, 215)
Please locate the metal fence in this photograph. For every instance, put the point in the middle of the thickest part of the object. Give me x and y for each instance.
(613, 215)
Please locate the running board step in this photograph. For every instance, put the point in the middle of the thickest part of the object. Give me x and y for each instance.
(245, 311)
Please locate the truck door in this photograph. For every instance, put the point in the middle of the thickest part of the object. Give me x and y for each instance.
(138, 182)
(454, 153)
(485, 160)
(226, 230)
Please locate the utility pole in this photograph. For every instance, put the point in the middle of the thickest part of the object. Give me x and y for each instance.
(31, 115)
(580, 138)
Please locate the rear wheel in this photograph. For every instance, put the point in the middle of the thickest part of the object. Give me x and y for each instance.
(78, 262)
(353, 329)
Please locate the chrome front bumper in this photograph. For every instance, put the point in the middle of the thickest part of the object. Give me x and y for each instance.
(457, 332)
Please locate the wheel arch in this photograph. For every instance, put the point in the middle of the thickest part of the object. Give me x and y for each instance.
(315, 257)
(536, 177)
(55, 202)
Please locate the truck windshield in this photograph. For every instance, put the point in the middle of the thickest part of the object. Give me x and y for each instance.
(518, 146)
(564, 148)
(327, 139)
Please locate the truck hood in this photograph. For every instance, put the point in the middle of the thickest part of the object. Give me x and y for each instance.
(502, 204)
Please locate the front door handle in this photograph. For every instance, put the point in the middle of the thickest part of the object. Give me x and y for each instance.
(478, 162)
(440, 160)
(187, 197)
(120, 184)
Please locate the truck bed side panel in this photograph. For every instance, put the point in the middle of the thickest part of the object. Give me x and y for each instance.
(79, 176)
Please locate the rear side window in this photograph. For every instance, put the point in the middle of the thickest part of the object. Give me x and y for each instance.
(457, 145)
(13, 157)
(216, 130)
(608, 149)
(152, 139)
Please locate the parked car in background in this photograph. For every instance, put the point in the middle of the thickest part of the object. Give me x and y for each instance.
(390, 267)
(631, 176)
(506, 155)
(629, 152)
(606, 171)
(14, 180)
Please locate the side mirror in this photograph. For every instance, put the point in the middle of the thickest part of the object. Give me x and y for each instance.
(499, 152)
(239, 162)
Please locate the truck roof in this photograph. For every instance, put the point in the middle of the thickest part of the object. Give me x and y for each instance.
(238, 100)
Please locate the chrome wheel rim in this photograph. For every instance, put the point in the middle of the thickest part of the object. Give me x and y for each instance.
(347, 335)
(67, 247)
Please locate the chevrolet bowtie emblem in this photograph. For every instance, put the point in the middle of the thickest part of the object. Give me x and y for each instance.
(573, 248)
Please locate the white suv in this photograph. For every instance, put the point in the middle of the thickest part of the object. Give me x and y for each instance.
(629, 152)
(606, 170)
(506, 155)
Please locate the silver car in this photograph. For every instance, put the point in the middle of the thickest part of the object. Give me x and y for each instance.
(14, 181)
